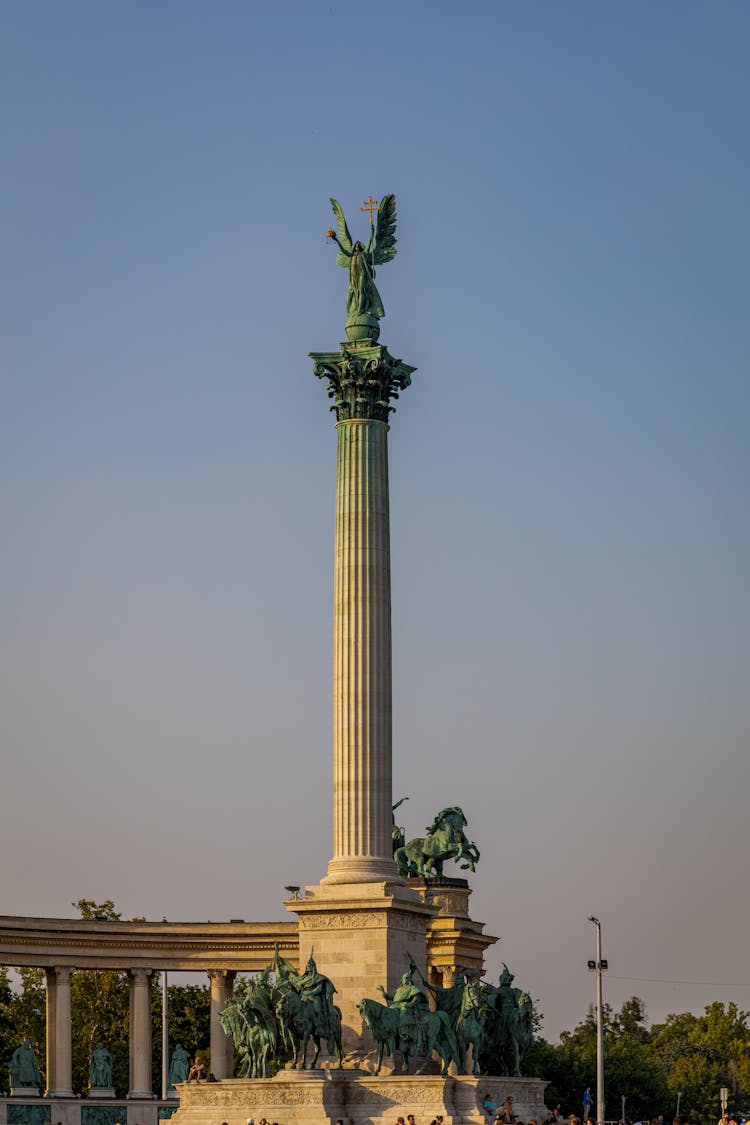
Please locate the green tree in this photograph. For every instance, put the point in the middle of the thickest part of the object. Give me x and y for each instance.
(631, 1069)
(700, 1054)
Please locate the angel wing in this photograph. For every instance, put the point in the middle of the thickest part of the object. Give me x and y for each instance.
(345, 239)
(384, 244)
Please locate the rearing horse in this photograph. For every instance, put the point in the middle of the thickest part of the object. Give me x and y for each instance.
(445, 839)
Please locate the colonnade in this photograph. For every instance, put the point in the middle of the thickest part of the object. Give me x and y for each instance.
(59, 1040)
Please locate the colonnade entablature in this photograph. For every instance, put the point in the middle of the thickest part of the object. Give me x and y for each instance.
(60, 946)
(242, 947)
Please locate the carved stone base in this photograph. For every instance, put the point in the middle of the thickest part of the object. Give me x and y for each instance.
(101, 1092)
(317, 1097)
(364, 935)
(24, 1091)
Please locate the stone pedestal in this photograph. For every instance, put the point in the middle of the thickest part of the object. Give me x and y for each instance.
(318, 1097)
(24, 1091)
(101, 1092)
(364, 935)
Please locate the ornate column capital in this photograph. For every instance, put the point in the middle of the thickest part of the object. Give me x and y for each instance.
(63, 974)
(141, 976)
(221, 974)
(362, 379)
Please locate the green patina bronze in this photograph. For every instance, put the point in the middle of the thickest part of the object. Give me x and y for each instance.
(23, 1067)
(100, 1068)
(406, 1024)
(272, 1018)
(424, 856)
(29, 1114)
(179, 1068)
(364, 307)
(495, 1021)
(510, 1026)
(362, 379)
(398, 839)
(102, 1115)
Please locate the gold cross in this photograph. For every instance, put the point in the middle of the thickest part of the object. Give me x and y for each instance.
(370, 205)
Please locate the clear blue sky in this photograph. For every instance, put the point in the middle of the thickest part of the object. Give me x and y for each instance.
(569, 470)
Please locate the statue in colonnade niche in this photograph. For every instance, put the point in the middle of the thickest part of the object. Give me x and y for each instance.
(23, 1067)
(179, 1066)
(100, 1069)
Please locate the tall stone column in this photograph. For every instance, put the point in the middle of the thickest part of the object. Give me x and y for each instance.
(63, 1065)
(140, 1034)
(51, 983)
(365, 924)
(362, 379)
(222, 1051)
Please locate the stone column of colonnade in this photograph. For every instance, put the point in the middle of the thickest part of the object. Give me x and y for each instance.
(51, 985)
(63, 1060)
(222, 1051)
(140, 1033)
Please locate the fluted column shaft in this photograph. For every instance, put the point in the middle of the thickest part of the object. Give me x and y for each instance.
(140, 1034)
(362, 739)
(222, 1053)
(63, 1068)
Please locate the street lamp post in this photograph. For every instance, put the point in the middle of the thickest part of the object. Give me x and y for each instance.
(599, 966)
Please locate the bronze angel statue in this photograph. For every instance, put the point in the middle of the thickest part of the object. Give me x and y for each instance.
(363, 303)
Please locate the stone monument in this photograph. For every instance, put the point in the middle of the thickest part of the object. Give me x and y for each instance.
(365, 924)
(369, 919)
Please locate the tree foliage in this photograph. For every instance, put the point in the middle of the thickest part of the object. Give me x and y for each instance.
(695, 1055)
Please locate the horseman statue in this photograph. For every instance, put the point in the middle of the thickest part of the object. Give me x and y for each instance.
(445, 839)
(412, 1002)
(406, 1024)
(272, 1018)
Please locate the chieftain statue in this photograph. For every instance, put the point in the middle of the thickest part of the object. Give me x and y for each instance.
(364, 306)
(406, 1024)
(272, 1018)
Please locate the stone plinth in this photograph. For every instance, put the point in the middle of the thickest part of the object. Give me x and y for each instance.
(24, 1091)
(454, 940)
(317, 1097)
(364, 935)
(101, 1092)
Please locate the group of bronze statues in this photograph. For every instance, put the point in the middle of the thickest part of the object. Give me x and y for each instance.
(271, 1018)
(481, 1027)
